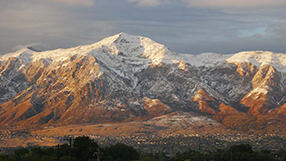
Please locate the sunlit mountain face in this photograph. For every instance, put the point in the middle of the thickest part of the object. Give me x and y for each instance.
(127, 78)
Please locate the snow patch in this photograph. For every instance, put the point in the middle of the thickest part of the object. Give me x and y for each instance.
(205, 59)
(257, 92)
(259, 58)
(182, 118)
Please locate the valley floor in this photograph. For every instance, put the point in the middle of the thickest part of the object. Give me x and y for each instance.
(142, 136)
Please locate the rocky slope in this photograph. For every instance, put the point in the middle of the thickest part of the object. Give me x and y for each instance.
(125, 77)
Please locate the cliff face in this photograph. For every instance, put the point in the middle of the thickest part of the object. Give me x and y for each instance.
(266, 93)
(124, 78)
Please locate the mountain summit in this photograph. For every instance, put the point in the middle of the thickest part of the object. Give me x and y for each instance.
(126, 77)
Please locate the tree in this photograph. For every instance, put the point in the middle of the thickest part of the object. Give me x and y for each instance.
(21, 152)
(37, 151)
(121, 152)
(84, 147)
(242, 148)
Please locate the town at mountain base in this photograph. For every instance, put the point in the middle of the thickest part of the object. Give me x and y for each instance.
(126, 78)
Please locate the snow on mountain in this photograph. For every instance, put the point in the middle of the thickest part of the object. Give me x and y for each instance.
(120, 44)
(260, 58)
(135, 46)
(116, 74)
(257, 92)
(141, 50)
(125, 54)
(205, 59)
(183, 119)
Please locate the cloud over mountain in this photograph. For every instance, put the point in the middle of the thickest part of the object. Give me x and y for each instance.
(234, 3)
(186, 26)
(76, 2)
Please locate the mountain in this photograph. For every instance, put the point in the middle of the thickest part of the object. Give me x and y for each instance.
(132, 78)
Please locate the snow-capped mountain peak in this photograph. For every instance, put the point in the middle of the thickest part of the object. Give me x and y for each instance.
(143, 49)
(205, 59)
(125, 77)
(135, 46)
(259, 58)
(122, 44)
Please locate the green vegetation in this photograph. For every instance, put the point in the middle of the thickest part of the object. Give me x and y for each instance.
(83, 149)
(235, 153)
(86, 149)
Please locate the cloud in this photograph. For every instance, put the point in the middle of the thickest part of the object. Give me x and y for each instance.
(64, 24)
(149, 3)
(234, 3)
(21, 46)
(258, 36)
(76, 2)
(216, 3)
(278, 28)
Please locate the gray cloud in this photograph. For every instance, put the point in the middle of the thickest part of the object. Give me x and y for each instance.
(258, 36)
(278, 28)
(33, 45)
(149, 3)
(182, 28)
(76, 2)
(234, 3)
(216, 3)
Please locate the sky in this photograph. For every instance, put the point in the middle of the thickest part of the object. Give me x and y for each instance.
(185, 26)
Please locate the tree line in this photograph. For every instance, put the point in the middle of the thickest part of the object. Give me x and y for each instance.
(86, 149)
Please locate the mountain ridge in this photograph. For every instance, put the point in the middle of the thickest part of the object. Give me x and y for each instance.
(125, 78)
(134, 43)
